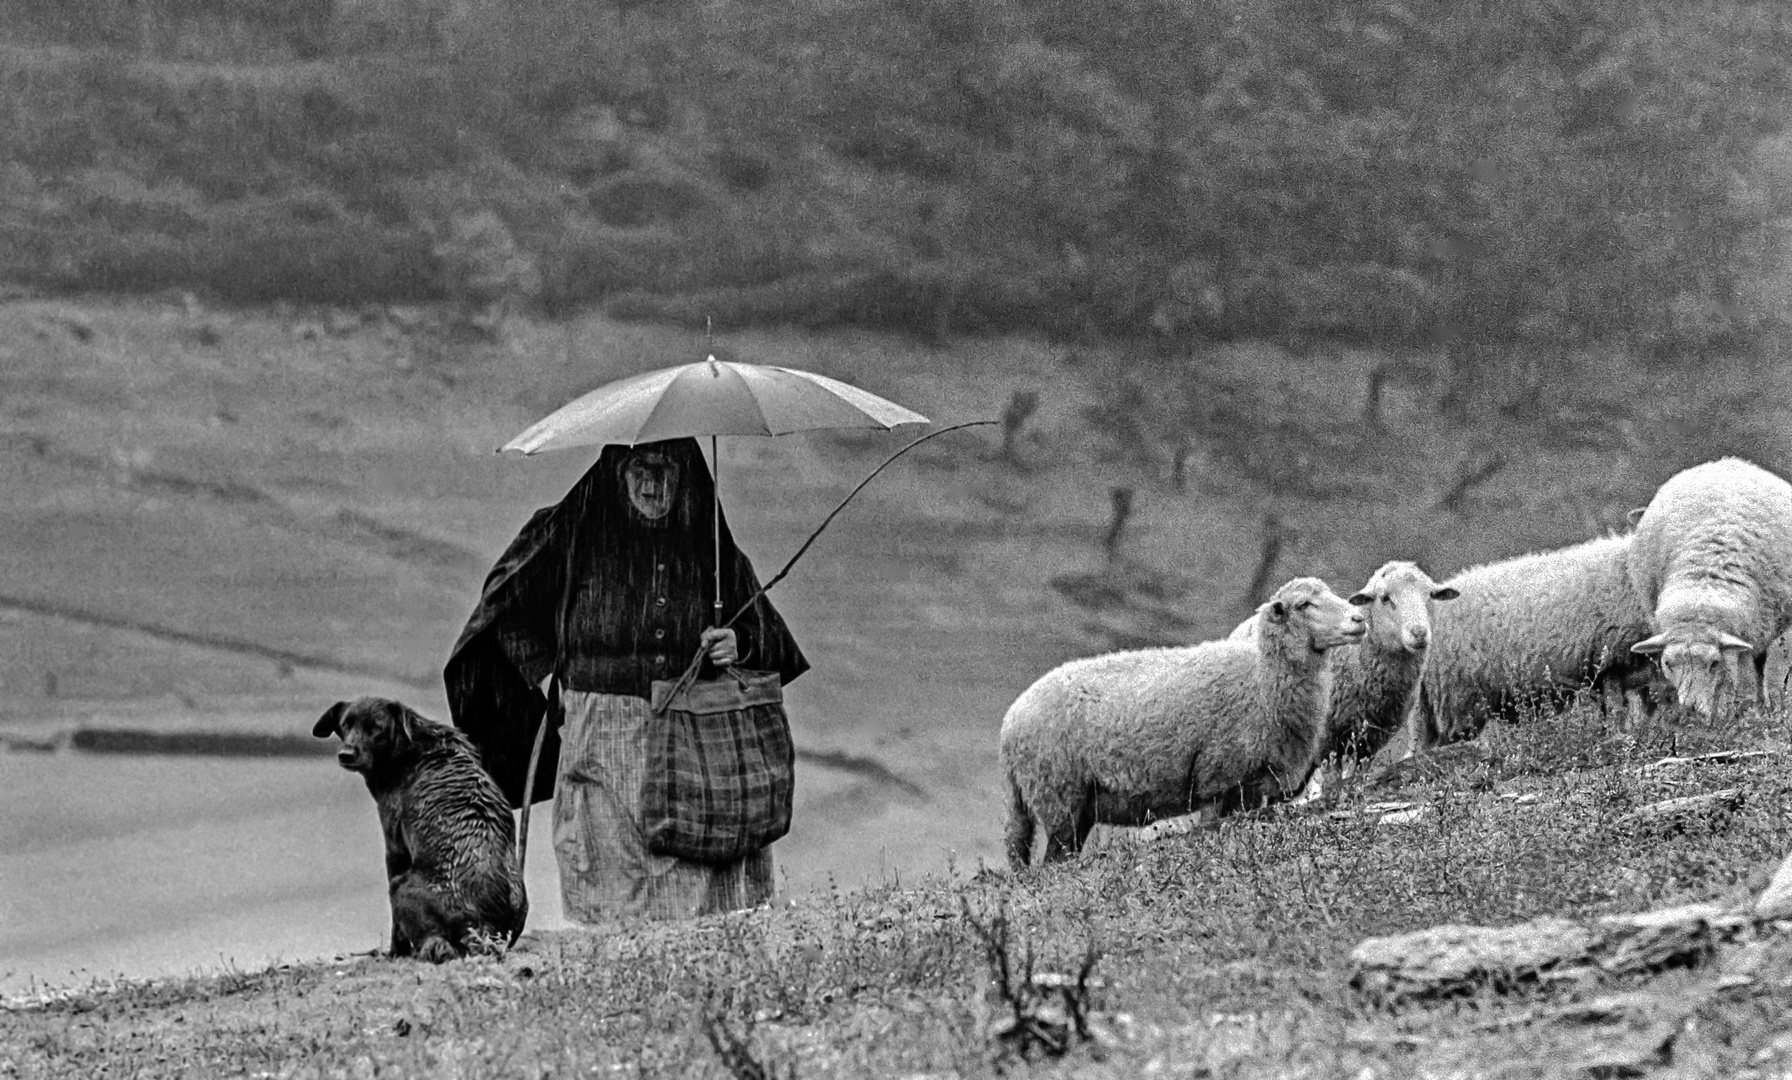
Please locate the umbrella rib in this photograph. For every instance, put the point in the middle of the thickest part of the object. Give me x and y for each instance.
(836, 395)
(681, 403)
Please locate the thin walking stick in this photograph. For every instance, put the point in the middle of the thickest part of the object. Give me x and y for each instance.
(690, 673)
(552, 712)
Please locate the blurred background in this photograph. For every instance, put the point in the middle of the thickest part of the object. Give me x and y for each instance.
(1257, 288)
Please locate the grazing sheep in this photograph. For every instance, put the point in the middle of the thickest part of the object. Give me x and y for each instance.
(1373, 683)
(1129, 737)
(1713, 564)
(1529, 632)
(451, 864)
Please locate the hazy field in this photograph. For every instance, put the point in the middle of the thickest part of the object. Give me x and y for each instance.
(226, 520)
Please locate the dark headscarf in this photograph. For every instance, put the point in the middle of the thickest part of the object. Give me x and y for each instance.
(620, 636)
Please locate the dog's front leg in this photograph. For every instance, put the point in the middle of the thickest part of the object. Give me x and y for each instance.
(400, 945)
(398, 868)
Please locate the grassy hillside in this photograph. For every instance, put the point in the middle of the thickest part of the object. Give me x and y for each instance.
(1218, 953)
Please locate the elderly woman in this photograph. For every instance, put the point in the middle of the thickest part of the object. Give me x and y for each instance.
(614, 584)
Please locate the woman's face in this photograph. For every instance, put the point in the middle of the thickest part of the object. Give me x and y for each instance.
(652, 481)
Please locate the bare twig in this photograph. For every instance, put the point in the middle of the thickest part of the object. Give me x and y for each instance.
(1034, 1021)
(1122, 501)
(1472, 478)
(1185, 448)
(732, 1050)
(1274, 536)
(1022, 404)
(1714, 758)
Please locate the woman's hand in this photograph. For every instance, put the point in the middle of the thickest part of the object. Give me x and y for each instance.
(721, 645)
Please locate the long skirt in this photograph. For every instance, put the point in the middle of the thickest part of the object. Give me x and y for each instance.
(606, 871)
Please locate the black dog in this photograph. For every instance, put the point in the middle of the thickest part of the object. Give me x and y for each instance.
(451, 852)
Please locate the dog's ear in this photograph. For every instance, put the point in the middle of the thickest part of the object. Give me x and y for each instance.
(401, 722)
(330, 723)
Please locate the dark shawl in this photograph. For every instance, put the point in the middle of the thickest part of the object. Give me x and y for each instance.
(620, 635)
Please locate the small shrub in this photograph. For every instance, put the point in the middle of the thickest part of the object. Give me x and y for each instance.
(258, 261)
(483, 270)
(583, 265)
(742, 169)
(346, 262)
(633, 200)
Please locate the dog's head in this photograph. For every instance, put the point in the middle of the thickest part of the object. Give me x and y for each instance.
(373, 730)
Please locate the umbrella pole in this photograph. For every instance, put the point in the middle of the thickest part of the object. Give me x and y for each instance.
(715, 521)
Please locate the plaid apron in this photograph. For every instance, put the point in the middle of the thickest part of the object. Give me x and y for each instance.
(606, 871)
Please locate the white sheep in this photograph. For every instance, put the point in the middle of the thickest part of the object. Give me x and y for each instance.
(1529, 632)
(1373, 683)
(1129, 737)
(1713, 564)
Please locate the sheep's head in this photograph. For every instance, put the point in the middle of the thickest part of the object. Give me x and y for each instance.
(1306, 608)
(1398, 599)
(372, 729)
(1699, 662)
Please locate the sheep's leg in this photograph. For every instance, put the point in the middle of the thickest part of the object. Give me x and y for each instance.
(1761, 679)
(1085, 821)
(1062, 842)
(1020, 828)
(1072, 830)
(1322, 784)
(1421, 726)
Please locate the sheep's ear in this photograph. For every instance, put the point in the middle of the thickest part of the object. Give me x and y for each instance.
(1444, 592)
(1360, 599)
(331, 721)
(1635, 515)
(1650, 646)
(1276, 611)
(1732, 643)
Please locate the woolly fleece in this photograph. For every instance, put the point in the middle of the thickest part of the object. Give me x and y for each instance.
(1129, 737)
(1528, 632)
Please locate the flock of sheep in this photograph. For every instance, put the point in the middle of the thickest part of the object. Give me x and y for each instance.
(1126, 738)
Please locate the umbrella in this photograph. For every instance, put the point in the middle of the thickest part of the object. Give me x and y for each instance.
(717, 395)
(714, 396)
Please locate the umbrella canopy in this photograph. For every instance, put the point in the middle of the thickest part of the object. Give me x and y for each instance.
(714, 396)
